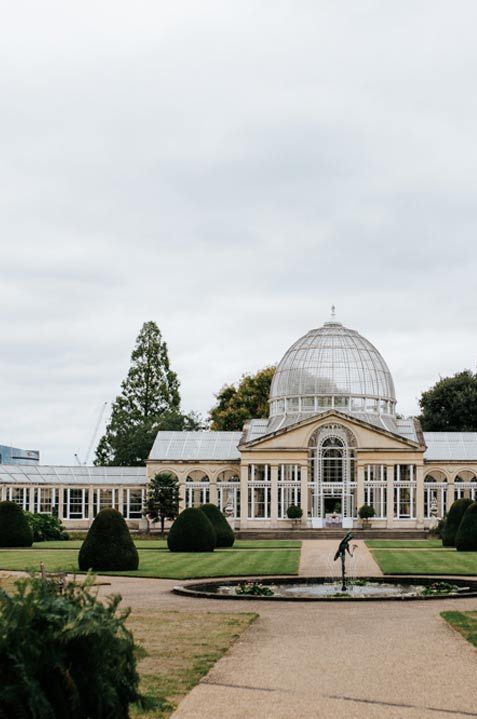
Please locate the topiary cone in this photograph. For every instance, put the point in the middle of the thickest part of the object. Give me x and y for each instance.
(192, 532)
(223, 530)
(14, 528)
(108, 545)
(454, 518)
(466, 538)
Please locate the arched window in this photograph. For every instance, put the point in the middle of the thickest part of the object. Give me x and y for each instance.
(197, 490)
(228, 493)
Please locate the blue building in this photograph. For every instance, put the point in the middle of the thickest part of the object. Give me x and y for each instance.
(12, 455)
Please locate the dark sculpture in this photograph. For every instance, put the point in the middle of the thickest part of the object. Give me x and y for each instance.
(341, 554)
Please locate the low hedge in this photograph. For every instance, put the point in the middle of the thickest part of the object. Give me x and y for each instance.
(14, 528)
(192, 532)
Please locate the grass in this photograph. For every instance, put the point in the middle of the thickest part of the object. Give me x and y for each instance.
(162, 544)
(180, 649)
(465, 623)
(167, 565)
(434, 561)
(404, 544)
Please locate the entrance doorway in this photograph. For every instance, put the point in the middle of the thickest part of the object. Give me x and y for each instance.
(333, 513)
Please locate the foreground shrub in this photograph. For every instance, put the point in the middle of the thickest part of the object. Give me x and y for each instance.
(45, 527)
(108, 545)
(192, 532)
(466, 538)
(454, 518)
(224, 533)
(64, 655)
(14, 528)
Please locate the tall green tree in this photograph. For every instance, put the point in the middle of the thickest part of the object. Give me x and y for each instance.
(451, 404)
(248, 400)
(162, 498)
(149, 402)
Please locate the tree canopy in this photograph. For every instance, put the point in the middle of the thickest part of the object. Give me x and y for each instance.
(451, 404)
(248, 400)
(149, 402)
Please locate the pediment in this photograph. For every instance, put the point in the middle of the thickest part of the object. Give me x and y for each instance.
(368, 436)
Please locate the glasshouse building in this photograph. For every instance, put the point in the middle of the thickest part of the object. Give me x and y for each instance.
(332, 443)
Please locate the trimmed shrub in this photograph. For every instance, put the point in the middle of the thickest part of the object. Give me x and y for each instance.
(294, 512)
(108, 545)
(225, 536)
(14, 528)
(466, 537)
(454, 518)
(45, 527)
(192, 532)
(64, 654)
(366, 511)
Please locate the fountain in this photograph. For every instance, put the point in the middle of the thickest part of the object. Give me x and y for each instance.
(329, 588)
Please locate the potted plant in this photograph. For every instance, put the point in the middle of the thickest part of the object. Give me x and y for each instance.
(365, 513)
(294, 513)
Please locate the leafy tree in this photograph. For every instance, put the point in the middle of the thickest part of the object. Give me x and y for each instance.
(235, 405)
(149, 402)
(451, 404)
(162, 498)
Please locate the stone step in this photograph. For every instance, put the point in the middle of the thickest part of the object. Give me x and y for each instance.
(331, 533)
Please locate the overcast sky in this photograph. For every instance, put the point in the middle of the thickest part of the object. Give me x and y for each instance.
(229, 170)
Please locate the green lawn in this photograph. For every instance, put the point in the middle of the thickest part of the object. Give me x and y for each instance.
(405, 544)
(418, 561)
(167, 565)
(465, 623)
(162, 544)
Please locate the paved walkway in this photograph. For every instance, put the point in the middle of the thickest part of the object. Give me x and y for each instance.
(317, 559)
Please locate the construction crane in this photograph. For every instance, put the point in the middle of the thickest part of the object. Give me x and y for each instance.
(93, 438)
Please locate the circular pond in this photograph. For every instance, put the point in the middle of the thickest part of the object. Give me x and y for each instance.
(324, 589)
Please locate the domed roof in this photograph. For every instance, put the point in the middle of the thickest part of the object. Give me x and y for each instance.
(332, 366)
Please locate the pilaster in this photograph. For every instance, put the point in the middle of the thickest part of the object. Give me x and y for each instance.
(274, 494)
(304, 493)
(390, 496)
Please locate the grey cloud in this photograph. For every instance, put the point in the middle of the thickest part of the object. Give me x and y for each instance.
(229, 171)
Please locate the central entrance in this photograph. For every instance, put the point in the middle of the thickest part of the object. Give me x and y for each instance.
(333, 514)
(332, 455)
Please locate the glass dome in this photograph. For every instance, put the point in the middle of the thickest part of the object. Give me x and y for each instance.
(332, 366)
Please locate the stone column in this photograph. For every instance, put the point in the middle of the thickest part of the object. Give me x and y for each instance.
(390, 496)
(90, 496)
(3, 493)
(61, 502)
(450, 494)
(121, 500)
(274, 494)
(213, 494)
(31, 499)
(419, 496)
(304, 493)
(243, 495)
(360, 477)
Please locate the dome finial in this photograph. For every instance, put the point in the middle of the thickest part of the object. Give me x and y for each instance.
(333, 312)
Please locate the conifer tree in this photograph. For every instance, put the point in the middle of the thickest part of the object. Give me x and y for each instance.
(149, 401)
